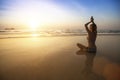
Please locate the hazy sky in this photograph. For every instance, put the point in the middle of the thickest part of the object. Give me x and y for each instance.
(59, 13)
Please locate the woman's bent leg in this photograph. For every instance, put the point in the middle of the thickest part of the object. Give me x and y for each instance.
(82, 47)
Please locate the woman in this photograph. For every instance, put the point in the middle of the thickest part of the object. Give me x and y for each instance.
(92, 34)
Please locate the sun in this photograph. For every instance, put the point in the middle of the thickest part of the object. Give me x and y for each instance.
(33, 25)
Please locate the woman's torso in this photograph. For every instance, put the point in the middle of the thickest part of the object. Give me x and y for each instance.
(91, 39)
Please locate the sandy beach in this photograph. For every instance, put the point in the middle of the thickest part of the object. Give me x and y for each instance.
(58, 58)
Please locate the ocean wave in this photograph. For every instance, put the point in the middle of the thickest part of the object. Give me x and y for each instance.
(28, 34)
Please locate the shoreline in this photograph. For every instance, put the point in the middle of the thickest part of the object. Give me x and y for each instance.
(38, 36)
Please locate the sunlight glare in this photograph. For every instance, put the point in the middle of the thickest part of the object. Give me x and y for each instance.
(34, 35)
(34, 15)
(33, 25)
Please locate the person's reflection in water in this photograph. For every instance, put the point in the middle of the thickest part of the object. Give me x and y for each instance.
(87, 72)
(89, 60)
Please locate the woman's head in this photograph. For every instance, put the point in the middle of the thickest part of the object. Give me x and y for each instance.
(93, 27)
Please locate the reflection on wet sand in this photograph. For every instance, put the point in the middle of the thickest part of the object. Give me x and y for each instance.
(87, 72)
(55, 58)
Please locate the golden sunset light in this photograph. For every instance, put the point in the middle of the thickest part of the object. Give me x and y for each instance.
(59, 39)
(33, 25)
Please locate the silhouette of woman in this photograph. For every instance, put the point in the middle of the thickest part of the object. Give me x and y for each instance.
(92, 34)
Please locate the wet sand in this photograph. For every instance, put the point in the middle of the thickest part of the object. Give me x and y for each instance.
(58, 58)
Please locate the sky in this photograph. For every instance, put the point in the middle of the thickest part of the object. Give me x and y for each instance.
(59, 14)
